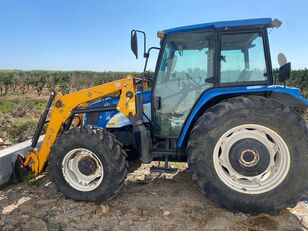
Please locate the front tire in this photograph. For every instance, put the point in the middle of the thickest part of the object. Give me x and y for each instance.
(250, 154)
(88, 165)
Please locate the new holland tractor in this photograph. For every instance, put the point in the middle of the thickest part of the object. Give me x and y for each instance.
(213, 102)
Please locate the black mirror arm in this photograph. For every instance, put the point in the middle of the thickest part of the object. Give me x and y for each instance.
(147, 56)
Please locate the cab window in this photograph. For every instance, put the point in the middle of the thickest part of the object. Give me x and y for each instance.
(242, 59)
(185, 72)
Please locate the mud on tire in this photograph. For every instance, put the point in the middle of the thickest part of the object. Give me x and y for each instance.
(108, 152)
(219, 119)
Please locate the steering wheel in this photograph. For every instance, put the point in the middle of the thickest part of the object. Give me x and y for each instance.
(192, 82)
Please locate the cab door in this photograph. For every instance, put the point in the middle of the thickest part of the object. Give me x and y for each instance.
(185, 71)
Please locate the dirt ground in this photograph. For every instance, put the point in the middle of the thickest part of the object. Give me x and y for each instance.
(148, 201)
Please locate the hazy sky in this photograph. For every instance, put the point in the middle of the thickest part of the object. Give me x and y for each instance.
(95, 34)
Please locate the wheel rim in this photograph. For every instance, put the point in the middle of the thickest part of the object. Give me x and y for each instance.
(82, 169)
(251, 159)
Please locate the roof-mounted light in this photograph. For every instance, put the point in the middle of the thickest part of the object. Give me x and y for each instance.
(160, 34)
(276, 23)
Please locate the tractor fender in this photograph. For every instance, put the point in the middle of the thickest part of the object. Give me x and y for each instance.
(289, 96)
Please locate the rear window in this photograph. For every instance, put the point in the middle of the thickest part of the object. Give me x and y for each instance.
(242, 58)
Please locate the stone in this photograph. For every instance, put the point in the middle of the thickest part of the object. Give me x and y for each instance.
(58, 219)
(7, 142)
(166, 213)
(8, 228)
(35, 225)
(105, 209)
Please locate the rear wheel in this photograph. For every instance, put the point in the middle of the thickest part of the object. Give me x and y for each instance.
(88, 164)
(250, 154)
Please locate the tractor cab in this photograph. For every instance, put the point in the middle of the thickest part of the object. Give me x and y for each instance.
(193, 62)
(220, 58)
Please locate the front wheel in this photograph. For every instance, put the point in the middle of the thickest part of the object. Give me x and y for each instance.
(250, 154)
(88, 165)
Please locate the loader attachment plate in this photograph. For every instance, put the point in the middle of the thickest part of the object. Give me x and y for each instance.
(9, 156)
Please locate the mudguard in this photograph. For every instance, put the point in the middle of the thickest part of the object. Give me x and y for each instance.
(290, 96)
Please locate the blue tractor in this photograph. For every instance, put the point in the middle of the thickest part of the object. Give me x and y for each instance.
(213, 102)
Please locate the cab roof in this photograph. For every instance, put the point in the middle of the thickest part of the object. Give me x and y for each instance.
(258, 22)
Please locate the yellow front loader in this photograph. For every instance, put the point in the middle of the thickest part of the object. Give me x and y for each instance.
(65, 108)
(65, 115)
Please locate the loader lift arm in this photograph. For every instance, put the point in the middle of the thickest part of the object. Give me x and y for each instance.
(63, 110)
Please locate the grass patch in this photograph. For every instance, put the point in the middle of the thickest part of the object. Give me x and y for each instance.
(21, 130)
(9, 104)
(32, 179)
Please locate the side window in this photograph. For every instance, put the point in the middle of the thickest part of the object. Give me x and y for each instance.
(242, 58)
(185, 72)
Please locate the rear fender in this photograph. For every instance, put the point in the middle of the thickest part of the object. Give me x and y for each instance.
(288, 96)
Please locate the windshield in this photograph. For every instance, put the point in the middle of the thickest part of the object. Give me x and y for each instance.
(186, 70)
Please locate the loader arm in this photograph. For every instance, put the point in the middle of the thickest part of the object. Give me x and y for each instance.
(63, 109)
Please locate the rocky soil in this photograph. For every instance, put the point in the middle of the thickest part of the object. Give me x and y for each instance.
(148, 201)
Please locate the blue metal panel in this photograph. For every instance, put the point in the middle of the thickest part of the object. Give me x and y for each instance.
(295, 92)
(104, 117)
(263, 22)
(146, 96)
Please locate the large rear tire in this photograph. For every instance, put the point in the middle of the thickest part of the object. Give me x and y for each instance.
(88, 165)
(250, 154)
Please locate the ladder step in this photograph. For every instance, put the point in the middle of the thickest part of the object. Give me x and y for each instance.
(163, 169)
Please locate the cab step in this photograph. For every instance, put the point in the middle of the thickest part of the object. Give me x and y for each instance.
(164, 169)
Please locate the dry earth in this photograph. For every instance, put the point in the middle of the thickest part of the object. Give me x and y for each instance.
(148, 201)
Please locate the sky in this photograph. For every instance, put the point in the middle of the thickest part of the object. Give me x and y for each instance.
(95, 34)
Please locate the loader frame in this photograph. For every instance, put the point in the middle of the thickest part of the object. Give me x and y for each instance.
(67, 106)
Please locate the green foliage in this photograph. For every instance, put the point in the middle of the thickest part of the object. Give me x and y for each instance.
(33, 179)
(9, 105)
(299, 78)
(20, 130)
(64, 81)
(21, 82)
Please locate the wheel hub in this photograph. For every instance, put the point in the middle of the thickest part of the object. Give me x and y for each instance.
(249, 157)
(87, 166)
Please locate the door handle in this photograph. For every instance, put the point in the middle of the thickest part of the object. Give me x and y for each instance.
(157, 103)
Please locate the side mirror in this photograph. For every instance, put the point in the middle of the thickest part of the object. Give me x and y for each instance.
(134, 43)
(284, 69)
(285, 72)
